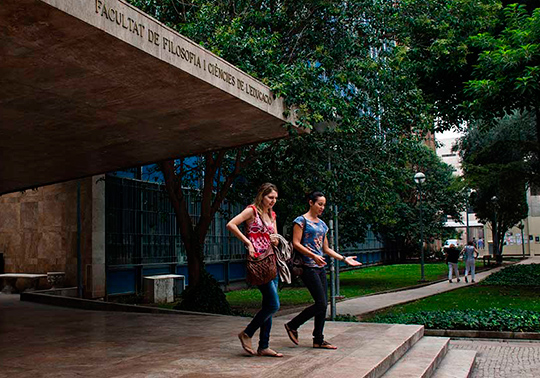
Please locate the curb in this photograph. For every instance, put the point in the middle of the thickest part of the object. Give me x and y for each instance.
(454, 333)
(93, 305)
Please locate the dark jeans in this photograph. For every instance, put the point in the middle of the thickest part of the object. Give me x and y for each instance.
(263, 319)
(315, 281)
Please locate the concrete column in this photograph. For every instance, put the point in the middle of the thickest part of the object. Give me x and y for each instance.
(95, 285)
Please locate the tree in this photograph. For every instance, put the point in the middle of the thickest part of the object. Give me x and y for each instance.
(443, 196)
(434, 37)
(507, 74)
(217, 170)
(474, 59)
(496, 164)
(370, 181)
(325, 58)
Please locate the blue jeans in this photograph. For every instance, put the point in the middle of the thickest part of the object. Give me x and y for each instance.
(263, 319)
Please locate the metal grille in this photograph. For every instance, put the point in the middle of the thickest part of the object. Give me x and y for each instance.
(141, 226)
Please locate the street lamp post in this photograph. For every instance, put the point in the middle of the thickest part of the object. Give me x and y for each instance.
(322, 127)
(467, 215)
(521, 226)
(419, 179)
(494, 230)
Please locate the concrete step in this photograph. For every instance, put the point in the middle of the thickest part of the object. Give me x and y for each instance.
(456, 364)
(421, 360)
(365, 350)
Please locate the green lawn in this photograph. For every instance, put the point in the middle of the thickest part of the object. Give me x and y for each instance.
(354, 283)
(475, 297)
(505, 301)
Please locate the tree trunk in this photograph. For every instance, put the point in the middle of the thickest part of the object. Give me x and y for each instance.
(194, 249)
(495, 236)
(537, 114)
(195, 260)
(194, 236)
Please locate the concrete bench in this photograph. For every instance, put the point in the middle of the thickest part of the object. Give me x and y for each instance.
(163, 288)
(31, 282)
(56, 279)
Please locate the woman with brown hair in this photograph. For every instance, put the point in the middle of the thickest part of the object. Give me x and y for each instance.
(260, 225)
(310, 239)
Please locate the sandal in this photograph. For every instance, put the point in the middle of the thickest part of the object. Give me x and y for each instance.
(245, 340)
(268, 353)
(293, 334)
(324, 345)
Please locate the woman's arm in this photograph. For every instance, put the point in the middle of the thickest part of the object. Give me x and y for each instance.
(349, 260)
(232, 226)
(297, 239)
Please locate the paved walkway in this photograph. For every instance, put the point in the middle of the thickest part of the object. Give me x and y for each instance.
(363, 305)
(39, 340)
(46, 341)
(502, 358)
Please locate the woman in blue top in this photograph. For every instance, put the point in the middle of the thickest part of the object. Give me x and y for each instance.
(470, 254)
(309, 238)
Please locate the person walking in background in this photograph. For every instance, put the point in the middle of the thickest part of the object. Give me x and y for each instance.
(452, 257)
(310, 239)
(481, 243)
(261, 224)
(470, 254)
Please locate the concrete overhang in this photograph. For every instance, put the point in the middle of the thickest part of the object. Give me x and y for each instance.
(93, 86)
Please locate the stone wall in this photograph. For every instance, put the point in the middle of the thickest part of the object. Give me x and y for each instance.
(38, 232)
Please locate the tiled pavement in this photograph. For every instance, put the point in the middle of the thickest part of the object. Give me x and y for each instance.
(46, 341)
(39, 340)
(502, 359)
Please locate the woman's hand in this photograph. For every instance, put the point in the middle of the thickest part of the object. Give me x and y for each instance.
(351, 261)
(274, 240)
(319, 260)
(251, 249)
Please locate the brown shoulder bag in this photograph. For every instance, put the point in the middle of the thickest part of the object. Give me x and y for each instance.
(262, 269)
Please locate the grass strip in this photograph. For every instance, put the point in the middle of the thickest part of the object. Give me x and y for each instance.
(353, 283)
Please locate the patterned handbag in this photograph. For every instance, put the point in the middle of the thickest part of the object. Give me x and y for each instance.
(261, 269)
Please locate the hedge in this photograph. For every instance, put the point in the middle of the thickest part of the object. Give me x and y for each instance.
(515, 275)
(494, 319)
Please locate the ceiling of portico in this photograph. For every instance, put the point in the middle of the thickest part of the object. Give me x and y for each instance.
(93, 86)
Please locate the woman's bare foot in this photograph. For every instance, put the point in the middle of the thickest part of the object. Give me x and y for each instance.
(324, 345)
(245, 340)
(268, 353)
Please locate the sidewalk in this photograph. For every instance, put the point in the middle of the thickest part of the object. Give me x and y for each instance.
(363, 305)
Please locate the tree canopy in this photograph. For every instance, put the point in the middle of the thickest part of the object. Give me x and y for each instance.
(324, 57)
(496, 164)
(336, 63)
(371, 182)
(507, 74)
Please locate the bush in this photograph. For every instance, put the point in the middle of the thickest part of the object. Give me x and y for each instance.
(346, 318)
(515, 275)
(494, 319)
(205, 297)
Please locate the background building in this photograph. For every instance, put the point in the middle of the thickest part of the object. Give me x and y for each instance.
(523, 239)
(445, 142)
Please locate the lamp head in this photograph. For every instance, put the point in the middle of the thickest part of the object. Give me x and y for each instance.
(419, 178)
